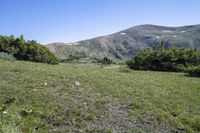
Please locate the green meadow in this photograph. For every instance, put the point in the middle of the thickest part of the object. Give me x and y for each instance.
(41, 98)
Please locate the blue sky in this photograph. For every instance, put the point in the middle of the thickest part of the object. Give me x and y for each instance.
(72, 20)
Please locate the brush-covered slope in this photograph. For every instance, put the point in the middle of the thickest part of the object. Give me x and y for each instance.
(127, 43)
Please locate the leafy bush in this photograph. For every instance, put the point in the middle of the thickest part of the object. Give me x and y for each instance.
(106, 61)
(162, 59)
(26, 50)
(194, 71)
(6, 56)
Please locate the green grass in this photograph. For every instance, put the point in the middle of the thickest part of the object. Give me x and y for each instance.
(43, 98)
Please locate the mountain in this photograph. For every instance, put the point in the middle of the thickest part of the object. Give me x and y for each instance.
(127, 43)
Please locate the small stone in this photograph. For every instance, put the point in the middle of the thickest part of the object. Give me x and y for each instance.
(77, 83)
(45, 83)
(129, 123)
(4, 112)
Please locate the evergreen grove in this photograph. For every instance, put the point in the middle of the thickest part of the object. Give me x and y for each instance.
(172, 60)
(26, 50)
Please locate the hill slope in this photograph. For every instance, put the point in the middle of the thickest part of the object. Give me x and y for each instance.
(68, 98)
(127, 43)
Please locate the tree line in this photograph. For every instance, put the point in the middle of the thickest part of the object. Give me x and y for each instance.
(25, 50)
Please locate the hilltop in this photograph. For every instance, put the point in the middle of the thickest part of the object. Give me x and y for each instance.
(128, 43)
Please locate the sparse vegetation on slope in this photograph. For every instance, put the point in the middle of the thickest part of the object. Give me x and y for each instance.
(70, 59)
(69, 98)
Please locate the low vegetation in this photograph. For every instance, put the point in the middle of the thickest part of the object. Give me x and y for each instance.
(170, 60)
(62, 98)
(194, 71)
(70, 59)
(26, 50)
(6, 56)
(106, 61)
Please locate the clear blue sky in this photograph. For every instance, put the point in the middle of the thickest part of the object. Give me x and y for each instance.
(73, 20)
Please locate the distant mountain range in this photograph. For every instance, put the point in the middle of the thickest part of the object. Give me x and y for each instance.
(127, 43)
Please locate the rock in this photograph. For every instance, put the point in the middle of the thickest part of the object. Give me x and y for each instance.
(77, 84)
(45, 83)
(4, 112)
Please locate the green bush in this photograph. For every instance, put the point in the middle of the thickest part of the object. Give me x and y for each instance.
(161, 59)
(106, 61)
(6, 56)
(194, 71)
(26, 50)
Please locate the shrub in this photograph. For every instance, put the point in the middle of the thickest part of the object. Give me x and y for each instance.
(26, 50)
(194, 71)
(39, 53)
(161, 59)
(106, 61)
(6, 56)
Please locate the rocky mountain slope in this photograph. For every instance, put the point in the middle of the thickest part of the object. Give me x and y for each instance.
(127, 43)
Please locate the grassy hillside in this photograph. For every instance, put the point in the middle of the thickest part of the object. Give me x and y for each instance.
(68, 98)
(127, 43)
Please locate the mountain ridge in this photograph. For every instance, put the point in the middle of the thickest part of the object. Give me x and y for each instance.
(127, 43)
